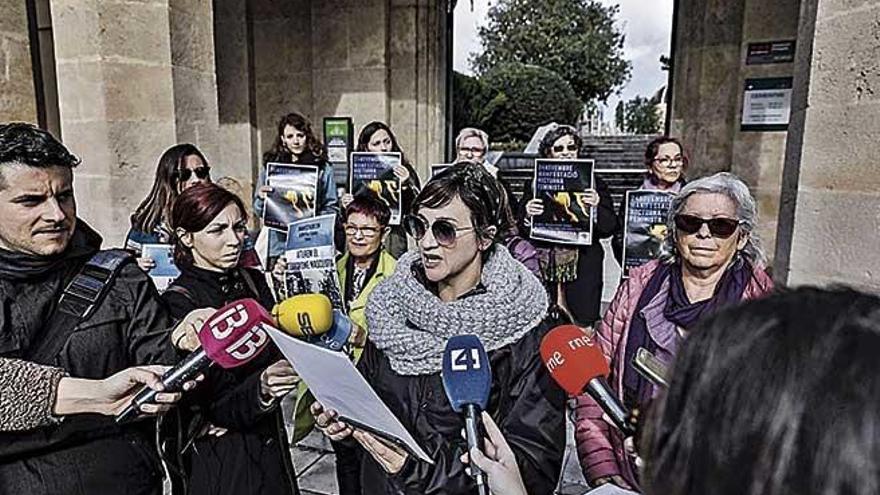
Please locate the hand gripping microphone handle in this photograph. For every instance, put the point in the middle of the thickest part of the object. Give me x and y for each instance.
(474, 434)
(233, 336)
(174, 379)
(598, 389)
(467, 380)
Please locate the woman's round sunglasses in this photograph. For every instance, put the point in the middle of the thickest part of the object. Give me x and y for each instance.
(718, 227)
(184, 174)
(444, 231)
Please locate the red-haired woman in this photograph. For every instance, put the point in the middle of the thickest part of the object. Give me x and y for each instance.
(252, 456)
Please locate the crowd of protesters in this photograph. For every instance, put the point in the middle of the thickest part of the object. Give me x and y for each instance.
(84, 328)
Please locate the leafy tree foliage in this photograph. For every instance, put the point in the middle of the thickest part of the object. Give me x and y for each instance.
(575, 38)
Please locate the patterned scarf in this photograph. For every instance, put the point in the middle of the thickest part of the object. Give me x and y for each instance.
(411, 324)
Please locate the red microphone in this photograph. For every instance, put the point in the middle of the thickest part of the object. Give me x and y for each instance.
(578, 365)
(233, 336)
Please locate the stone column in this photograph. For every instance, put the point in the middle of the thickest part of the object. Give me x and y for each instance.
(191, 32)
(829, 222)
(418, 80)
(233, 55)
(116, 102)
(17, 96)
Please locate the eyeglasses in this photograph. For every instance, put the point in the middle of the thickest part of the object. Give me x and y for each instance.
(560, 148)
(367, 232)
(445, 232)
(667, 162)
(472, 151)
(718, 227)
(201, 172)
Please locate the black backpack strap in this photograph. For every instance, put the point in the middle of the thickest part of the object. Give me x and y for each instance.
(80, 298)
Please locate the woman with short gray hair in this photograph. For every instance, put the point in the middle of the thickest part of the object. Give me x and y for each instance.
(712, 259)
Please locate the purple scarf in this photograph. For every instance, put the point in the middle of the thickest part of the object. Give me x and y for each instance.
(678, 310)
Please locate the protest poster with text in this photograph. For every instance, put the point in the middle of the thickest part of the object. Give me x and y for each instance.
(645, 226)
(165, 271)
(311, 259)
(294, 189)
(562, 186)
(373, 173)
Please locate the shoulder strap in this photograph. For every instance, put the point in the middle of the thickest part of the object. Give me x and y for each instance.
(80, 298)
(183, 291)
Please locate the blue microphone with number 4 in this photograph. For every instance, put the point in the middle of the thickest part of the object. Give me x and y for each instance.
(467, 380)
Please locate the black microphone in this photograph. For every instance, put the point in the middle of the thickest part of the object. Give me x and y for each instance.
(233, 336)
(467, 379)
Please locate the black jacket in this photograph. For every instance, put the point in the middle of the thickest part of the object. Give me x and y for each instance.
(85, 454)
(525, 402)
(253, 457)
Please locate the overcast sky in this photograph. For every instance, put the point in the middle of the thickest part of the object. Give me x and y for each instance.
(646, 23)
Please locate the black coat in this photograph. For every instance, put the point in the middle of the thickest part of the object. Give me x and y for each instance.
(525, 402)
(87, 453)
(584, 295)
(253, 457)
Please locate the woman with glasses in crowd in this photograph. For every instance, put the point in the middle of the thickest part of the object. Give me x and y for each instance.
(180, 167)
(665, 163)
(246, 451)
(296, 143)
(472, 145)
(376, 137)
(712, 259)
(460, 280)
(574, 274)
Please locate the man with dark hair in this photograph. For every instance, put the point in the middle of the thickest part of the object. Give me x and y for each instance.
(66, 303)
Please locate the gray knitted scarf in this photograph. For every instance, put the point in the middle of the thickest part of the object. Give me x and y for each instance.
(411, 324)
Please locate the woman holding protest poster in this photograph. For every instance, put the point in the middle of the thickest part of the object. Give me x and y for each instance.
(665, 165)
(573, 273)
(296, 143)
(377, 137)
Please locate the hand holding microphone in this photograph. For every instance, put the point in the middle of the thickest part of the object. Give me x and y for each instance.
(233, 336)
(578, 365)
(467, 380)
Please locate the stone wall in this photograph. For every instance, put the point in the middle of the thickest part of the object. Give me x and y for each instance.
(830, 218)
(17, 97)
(709, 77)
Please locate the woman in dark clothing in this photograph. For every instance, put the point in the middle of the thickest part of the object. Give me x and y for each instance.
(574, 274)
(461, 280)
(377, 137)
(665, 164)
(253, 456)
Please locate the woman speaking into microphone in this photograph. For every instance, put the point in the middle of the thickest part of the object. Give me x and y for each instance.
(459, 281)
(247, 451)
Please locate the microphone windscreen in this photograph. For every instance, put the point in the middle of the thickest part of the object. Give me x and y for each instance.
(467, 376)
(304, 315)
(572, 358)
(337, 337)
(234, 334)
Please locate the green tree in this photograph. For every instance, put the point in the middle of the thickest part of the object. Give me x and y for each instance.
(575, 38)
(640, 116)
(470, 96)
(524, 97)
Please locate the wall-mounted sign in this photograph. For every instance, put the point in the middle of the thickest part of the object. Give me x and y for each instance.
(770, 52)
(338, 137)
(766, 104)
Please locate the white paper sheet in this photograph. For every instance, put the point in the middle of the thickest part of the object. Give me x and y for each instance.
(338, 385)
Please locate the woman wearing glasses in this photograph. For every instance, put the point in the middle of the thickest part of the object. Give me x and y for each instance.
(665, 163)
(574, 274)
(460, 280)
(180, 167)
(711, 258)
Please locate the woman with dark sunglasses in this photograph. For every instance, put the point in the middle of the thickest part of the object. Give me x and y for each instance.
(573, 274)
(180, 167)
(459, 281)
(711, 259)
(665, 165)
